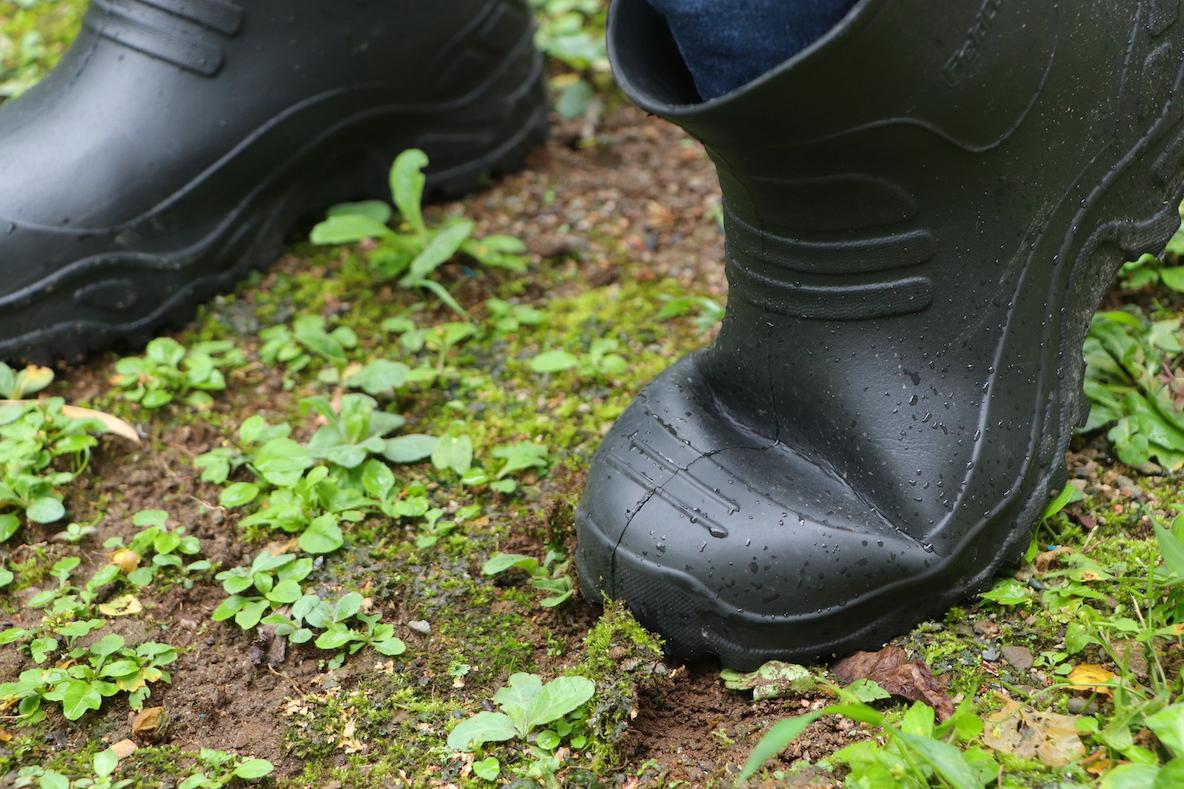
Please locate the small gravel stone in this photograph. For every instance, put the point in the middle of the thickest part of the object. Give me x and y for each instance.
(1019, 657)
(1082, 706)
(419, 626)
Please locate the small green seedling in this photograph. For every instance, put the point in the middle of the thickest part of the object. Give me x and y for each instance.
(20, 384)
(67, 600)
(308, 338)
(265, 448)
(75, 533)
(352, 432)
(601, 360)
(94, 673)
(773, 680)
(313, 508)
(101, 776)
(708, 312)
(521, 457)
(218, 769)
(552, 576)
(41, 451)
(270, 583)
(413, 254)
(310, 614)
(168, 371)
(1126, 356)
(435, 528)
(1150, 270)
(509, 318)
(164, 546)
(334, 618)
(572, 32)
(915, 753)
(454, 451)
(441, 340)
(526, 704)
(379, 378)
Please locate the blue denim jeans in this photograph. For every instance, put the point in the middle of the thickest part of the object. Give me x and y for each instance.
(727, 43)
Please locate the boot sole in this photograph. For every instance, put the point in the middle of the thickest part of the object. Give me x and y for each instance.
(253, 235)
(1123, 221)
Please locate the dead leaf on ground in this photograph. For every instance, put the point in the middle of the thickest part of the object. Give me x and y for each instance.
(124, 605)
(124, 748)
(1030, 734)
(1092, 678)
(125, 560)
(281, 547)
(150, 724)
(1097, 763)
(891, 669)
(268, 648)
(1045, 560)
(114, 424)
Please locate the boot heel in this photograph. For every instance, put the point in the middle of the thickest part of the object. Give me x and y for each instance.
(524, 129)
(493, 137)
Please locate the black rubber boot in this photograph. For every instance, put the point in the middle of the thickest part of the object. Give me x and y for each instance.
(180, 140)
(923, 211)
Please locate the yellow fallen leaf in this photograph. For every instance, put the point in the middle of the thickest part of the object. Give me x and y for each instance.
(1093, 678)
(150, 723)
(126, 560)
(280, 547)
(114, 424)
(1096, 764)
(124, 748)
(1044, 561)
(125, 605)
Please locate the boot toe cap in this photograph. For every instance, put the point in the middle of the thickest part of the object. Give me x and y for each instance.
(726, 542)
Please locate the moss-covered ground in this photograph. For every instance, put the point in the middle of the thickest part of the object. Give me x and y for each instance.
(619, 214)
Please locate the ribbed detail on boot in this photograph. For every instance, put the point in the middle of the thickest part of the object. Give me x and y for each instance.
(186, 33)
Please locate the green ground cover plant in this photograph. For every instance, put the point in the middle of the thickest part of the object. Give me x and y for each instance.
(412, 254)
(552, 576)
(383, 486)
(169, 370)
(42, 451)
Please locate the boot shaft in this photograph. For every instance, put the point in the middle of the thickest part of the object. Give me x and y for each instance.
(908, 204)
(902, 140)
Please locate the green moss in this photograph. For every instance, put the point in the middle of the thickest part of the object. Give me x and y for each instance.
(621, 657)
(32, 38)
(151, 766)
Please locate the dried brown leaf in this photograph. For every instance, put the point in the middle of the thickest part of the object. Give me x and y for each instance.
(124, 748)
(891, 669)
(1030, 734)
(114, 424)
(1044, 561)
(150, 724)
